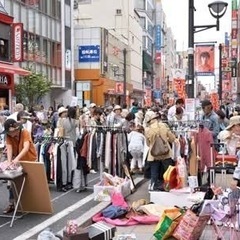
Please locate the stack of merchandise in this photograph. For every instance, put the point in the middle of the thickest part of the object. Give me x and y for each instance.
(110, 184)
(10, 169)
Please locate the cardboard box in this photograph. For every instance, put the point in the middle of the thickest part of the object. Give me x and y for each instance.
(103, 193)
(101, 231)
(82, 234)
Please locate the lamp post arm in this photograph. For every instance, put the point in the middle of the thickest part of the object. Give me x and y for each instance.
(204, 27)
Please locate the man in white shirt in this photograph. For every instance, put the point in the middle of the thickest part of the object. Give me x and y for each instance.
(172, 110)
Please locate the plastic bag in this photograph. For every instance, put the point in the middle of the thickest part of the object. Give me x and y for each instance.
(168, 222)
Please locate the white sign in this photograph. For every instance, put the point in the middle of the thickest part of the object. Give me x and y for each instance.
(68, 59)
(190, 108)
(74, 101)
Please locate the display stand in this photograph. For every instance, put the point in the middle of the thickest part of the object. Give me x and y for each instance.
(180, 197)
(35, 195)
(14, 178)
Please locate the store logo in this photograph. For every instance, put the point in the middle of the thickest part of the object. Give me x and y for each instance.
(3, 79)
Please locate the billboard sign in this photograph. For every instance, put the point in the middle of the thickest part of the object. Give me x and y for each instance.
(89, 53)
(204, 60)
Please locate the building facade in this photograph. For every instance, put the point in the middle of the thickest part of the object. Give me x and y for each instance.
(47, 43)
(120, 29)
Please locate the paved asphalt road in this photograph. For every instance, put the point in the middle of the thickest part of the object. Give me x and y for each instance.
(69, 205)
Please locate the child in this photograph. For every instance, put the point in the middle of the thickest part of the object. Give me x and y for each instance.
(136, 141)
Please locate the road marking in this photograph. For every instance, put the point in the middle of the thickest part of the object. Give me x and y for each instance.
(54, 199)
(89, 214)
(33, 231)
(63, 194)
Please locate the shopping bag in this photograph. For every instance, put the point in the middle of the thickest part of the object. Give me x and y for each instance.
(190, 227)
(170, 178)
(167, 223)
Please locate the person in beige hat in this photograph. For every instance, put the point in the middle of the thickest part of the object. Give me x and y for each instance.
(231, 135)
(158, 164)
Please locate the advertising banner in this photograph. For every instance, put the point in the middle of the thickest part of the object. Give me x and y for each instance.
(119, 87)
(204, 60)
(17, 42)
(89, 53)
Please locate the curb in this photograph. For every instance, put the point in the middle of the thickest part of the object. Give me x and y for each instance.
(86, 219)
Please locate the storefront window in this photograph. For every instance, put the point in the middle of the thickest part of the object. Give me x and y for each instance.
(31, 20)
(4, 50)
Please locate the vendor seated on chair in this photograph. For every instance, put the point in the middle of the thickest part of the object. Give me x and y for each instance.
(231, 135)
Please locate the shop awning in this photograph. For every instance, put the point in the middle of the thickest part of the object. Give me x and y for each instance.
(9, 68)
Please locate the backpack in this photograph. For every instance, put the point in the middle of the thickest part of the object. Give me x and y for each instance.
(159, 147)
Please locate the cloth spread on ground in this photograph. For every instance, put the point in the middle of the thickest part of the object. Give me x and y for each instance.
(130, 219)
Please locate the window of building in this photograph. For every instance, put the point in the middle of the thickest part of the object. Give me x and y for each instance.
(4, 50)
(140, 4)
(143, 22)
(150, 29)
(45, 50)
(84, 1)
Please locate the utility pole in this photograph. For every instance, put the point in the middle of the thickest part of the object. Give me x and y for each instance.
(124, 75)
(191, 49)
(220, 74)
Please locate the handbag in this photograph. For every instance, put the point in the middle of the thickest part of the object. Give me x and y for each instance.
(159, 147)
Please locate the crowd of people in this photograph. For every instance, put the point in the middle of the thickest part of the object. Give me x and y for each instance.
(22, 128)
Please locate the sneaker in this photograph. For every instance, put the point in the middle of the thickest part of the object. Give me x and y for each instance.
(93, 171)
(9, 209)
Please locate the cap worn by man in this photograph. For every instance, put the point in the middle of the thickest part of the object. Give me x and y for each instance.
(10, 125)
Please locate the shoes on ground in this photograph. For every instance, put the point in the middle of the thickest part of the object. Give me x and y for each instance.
(9, 209)
(93, 171)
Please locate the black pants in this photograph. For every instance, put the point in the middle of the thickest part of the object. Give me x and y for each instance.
(158, 168)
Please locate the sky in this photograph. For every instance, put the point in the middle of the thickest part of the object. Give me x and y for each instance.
(177, 18)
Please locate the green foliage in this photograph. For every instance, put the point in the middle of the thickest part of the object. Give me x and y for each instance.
(32, 88)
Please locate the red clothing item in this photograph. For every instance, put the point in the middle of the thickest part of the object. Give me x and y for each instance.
(204, 140)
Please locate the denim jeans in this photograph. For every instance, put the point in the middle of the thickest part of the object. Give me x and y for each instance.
(157, 168)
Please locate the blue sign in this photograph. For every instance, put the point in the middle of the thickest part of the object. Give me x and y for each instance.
(90, 53)
(158, 37)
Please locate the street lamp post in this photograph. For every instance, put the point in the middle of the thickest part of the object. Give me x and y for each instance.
(115, 69)
(217, 10)
(220, 73)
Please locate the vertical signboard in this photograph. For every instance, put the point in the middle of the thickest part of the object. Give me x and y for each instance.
(17, 29)
(234, 47)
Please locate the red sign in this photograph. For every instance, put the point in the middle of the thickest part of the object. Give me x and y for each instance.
(17, 42)
(158, 57)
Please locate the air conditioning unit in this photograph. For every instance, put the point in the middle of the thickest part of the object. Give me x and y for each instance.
(118, 11)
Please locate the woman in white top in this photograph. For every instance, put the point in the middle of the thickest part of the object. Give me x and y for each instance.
(136, 141)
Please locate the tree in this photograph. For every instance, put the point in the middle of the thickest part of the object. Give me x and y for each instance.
(32, 88)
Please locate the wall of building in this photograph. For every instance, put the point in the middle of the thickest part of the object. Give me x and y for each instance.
(48, 39)
(121, 21)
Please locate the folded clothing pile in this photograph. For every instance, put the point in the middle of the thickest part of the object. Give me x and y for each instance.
(7, 168)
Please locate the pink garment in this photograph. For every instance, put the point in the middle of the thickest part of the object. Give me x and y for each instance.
(134, 220)
(204, 139)
(118, 200)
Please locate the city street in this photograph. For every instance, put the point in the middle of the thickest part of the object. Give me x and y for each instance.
(69, 205)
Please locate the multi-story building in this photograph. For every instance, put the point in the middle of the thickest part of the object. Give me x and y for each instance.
(146, 11)
(47, 42)
(118, 35)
